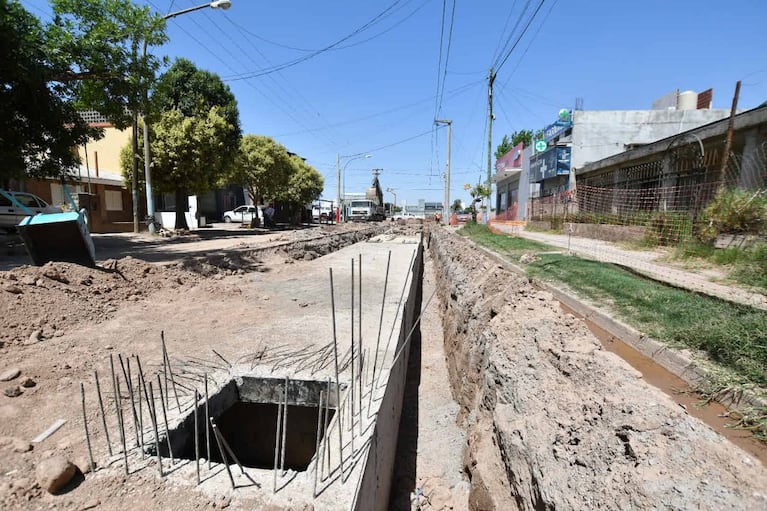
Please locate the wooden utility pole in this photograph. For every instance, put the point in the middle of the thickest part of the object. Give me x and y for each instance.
(490, 81)
(728, 140)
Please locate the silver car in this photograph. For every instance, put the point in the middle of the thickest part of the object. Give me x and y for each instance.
(11, 214)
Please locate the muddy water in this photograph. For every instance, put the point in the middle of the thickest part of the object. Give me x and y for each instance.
(713, 414)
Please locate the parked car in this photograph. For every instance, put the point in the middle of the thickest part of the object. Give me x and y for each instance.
(403, 216)
(11, 214)
(244, 214)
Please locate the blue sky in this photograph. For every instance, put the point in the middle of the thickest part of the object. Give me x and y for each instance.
(398, 67)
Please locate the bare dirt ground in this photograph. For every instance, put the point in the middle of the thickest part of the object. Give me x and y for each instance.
(60, 322)
(556, 422)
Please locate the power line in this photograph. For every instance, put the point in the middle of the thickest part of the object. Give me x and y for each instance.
(285, 65)
(447, 57)
(529, 21)
(505, 45)
(396, 143)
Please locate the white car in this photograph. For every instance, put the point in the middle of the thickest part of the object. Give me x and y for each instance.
(11, 214)
(244, 214)
(403, 216)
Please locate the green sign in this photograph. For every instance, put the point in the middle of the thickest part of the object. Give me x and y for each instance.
(540, 146)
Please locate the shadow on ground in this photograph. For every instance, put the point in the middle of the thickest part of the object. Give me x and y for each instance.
(155, 249)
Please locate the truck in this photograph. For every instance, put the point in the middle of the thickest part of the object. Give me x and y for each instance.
(372, 208)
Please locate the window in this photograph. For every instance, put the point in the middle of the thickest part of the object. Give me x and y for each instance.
(114, 200)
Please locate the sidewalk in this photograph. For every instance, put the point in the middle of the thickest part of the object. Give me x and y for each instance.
(643, 262)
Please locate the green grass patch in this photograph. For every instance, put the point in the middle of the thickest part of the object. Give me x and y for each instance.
(508, 245)
(731, 334)
(746, 266)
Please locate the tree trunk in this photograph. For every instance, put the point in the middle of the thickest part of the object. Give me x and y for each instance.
(181, 209)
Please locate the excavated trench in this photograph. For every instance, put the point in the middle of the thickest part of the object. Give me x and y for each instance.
(554, 420)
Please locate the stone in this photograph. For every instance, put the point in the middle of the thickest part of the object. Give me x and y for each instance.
(28, 383)
(15, 290)
(15, 444)
(12, 391)
(54, 473)
(35, 337)
(83, 464)
(10, 374)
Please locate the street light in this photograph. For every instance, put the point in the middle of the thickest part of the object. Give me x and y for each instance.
(217, 4)
(393, 192)
(338, 168)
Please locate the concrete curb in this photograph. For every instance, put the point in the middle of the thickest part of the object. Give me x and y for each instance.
(667, 357)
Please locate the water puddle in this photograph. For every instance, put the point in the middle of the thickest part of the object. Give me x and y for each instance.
(713, 414)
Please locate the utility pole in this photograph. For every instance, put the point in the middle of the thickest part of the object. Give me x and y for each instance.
(447, 175)
(728, 140)
(490, 80)
(338, 190)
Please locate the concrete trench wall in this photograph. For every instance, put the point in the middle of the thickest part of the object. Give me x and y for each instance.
(373, 491)
(555, 422)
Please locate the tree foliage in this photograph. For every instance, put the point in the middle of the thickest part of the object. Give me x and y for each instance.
(100, 46)
(193, 92)
(38, 126)
(456, 206)
(195, 133)
(263, 167)
(268, 172)
(304, 185)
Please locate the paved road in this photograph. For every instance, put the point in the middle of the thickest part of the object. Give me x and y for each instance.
(644, 262)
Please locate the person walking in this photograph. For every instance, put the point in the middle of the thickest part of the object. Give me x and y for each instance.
(269, 217)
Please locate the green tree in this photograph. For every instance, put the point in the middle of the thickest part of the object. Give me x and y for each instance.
(504, 147)
(304, 186)
(39, 126)
(186, 154)
(263, 167)
(194, 91)
(204, 106)
(478, 192)
(98, 45)
(457, 206)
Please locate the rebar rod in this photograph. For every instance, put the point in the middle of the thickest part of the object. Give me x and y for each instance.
(117, 407)
(220, 437)
(87, 433)
(326, 443)
(284, 427)
(170, 370)
(316, 444)
(277, 445)
(149, 406)
(359, 352)
(222, 358)
(140, 417)
(153, 414)
(103, 415)
(380, 326)
(396, 314)
(129, 384)
(196, 440)
(338, 383)
(353, 381)
(223, 456)
(207, 422)
(122, 427)
(412, 329)
(165, 421)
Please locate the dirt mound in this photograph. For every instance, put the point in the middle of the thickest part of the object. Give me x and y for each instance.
(556, 422)
(41, 302)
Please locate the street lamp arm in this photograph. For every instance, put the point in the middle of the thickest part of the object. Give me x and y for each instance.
(218, 4)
